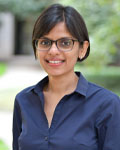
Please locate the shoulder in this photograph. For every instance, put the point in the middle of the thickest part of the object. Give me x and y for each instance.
(26, 91)
(105, 104)
(99, 90)
(103, 96)
(30, 93)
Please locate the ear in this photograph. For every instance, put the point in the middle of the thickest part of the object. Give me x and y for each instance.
(83, 49)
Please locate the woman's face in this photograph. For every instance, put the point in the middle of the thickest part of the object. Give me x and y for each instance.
(54, 61)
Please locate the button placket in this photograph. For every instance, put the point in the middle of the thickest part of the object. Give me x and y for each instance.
(46, 138)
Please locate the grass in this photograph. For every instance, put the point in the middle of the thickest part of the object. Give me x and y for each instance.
(2, 68)
(3, 146)
(7, 97)
(107, 77)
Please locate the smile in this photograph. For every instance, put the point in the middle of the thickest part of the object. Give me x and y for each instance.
(55, 62)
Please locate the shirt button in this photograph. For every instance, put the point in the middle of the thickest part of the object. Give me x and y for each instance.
(46, 138)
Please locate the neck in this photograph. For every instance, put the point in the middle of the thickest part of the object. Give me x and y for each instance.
(62, 84)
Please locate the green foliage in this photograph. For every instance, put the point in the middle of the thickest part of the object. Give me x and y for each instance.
(2, 68)
(3, 146)
(24, 8)
(103, 21)
(110, 82)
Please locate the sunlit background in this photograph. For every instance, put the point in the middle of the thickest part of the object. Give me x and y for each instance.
(19, 69)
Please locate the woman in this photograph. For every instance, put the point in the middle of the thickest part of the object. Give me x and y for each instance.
(64, 111)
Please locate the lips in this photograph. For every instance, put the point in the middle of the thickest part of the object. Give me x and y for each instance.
(55, 62)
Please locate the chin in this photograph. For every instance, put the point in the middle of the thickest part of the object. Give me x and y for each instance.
(55, 73)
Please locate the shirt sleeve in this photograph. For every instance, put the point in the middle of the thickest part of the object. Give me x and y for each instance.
(17, 121)
(108, 125)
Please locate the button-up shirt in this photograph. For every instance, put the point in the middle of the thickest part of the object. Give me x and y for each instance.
(86, 119)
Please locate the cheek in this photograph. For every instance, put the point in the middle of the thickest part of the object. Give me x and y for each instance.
(74, 56)
(41, 59)
(41, 56)
(72, 60)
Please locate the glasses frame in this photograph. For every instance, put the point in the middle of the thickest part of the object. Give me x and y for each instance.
(55, 41)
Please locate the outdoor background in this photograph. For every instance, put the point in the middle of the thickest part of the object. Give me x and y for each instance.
(18, 67)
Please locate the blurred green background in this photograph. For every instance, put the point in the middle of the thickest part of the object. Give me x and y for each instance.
(102, 18)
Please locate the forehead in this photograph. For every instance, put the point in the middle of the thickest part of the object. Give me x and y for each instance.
(58, 31)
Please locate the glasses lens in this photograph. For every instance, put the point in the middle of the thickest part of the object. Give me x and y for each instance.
(65, 44)
(43, 44)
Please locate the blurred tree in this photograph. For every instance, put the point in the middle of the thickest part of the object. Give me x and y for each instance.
(25, 13)
(24, 8)
(103, 21)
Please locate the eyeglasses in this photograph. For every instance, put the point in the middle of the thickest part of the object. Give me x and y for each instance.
(63, 44)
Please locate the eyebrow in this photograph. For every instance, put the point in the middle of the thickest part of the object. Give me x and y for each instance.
(44, 37)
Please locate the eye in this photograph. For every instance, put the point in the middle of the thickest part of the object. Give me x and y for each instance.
(65, 42)
(44, 42)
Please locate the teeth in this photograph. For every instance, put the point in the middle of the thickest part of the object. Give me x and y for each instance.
(54, 62)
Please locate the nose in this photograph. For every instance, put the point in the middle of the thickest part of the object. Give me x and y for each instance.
(53, 50)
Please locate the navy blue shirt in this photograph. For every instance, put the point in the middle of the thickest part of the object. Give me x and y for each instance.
(86, 119)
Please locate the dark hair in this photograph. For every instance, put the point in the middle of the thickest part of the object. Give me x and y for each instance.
(57, 13)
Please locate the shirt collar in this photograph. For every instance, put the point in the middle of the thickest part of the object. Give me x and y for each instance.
(81, 88)
(82, 85)
(40, 85)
